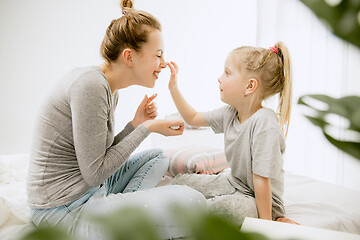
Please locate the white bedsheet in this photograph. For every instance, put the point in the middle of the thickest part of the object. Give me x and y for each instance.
(14, 211)
(307, 201)
(320, 204)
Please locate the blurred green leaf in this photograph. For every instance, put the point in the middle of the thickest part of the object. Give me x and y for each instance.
(342, 18)
(317, 121)
(347, 107)
(352, 148)
(46, 233)
(204, 226)
(131, 223)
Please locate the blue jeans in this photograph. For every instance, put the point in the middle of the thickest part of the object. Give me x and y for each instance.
(141, 171)
(132, 184)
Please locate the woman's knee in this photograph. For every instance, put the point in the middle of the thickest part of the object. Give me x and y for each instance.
(162, 159)
(151, 155)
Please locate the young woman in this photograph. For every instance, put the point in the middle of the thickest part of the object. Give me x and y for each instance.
(75, 157)
(254, 135)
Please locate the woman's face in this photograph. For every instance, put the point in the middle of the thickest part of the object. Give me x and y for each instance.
(232, 83)
(149, 61)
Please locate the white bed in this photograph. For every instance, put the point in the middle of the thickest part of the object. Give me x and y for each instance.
(307, 201)
(14, 212)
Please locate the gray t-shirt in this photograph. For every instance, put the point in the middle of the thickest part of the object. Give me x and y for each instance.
(74, 148)
(256, 146)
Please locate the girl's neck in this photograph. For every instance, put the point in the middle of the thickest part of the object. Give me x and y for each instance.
(245, 112)
(116, 75)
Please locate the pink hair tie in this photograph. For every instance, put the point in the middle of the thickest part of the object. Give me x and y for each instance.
(274, 49)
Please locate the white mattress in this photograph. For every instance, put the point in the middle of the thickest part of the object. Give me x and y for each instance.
(307, 201)
(320, 204)
(14, 211)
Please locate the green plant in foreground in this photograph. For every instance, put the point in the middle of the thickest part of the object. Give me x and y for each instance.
(204, 226)
(347, 107)
(133, 223)
(129, 223)
(47, 233)
(343, 17)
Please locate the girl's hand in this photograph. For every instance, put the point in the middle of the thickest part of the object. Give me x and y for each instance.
(147, 110)
(286, 220)
(173, 77)
(165, 127)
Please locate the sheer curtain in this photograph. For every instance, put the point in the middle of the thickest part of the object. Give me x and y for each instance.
(322, 64)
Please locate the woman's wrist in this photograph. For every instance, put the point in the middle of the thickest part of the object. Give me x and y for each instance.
(148, 124)
(135, 123)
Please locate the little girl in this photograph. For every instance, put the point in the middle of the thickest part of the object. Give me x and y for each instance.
(253, 135)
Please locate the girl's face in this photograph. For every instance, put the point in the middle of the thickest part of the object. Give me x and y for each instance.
(149, 61)
(232, 83)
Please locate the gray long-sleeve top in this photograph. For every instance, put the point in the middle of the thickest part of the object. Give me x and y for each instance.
(74, 148)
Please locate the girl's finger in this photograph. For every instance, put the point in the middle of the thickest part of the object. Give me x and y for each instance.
(170, 66)
(175, 65)
(172, 69)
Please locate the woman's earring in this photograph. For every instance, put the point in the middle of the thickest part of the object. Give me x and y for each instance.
(245, 95)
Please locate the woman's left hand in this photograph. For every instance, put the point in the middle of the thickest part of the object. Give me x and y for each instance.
(147, 110)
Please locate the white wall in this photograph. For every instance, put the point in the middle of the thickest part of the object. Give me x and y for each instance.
(198, 36)
(41, 40)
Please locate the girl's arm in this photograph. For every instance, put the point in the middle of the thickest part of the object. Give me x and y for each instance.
(263, 198)
(188, 113)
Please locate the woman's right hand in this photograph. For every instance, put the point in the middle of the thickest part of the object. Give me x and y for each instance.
(173, 77)
(165, 127)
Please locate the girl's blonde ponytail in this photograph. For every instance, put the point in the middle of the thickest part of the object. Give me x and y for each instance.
(285, 98)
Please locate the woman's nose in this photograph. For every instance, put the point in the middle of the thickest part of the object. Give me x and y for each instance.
(162, 63)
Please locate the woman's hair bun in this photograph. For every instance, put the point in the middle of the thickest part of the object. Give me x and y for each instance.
(131, 30)
(127, 4)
